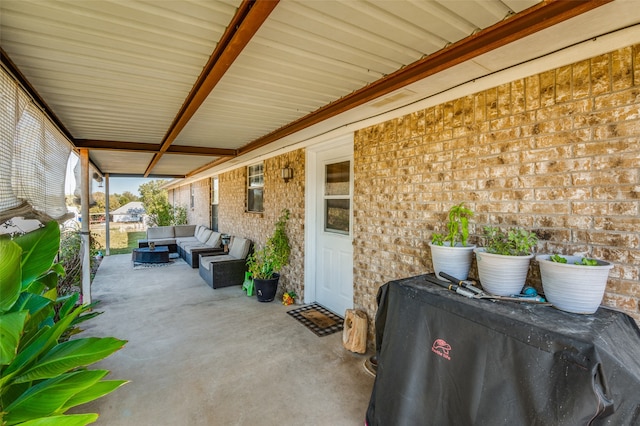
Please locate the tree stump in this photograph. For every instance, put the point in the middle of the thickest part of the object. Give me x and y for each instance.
(354, 334)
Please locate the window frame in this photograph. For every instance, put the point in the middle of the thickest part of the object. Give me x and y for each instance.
(255, 184)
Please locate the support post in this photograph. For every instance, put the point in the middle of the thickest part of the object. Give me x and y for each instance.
(107, 214)
(85, 230)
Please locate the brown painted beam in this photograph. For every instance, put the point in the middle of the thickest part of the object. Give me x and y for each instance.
(537, 18)
(153, 148)
(250, 16)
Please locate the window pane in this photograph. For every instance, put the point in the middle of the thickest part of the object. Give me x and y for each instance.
(256, 180)
(256, 175)
(336, 217)
(214, 190)
(254, 200)
(337, 179)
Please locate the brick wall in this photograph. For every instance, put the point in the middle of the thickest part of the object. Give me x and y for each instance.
(200, 214)
(557, 153)
(277, 195)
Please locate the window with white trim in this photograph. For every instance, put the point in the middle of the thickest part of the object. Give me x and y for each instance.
(255, 188)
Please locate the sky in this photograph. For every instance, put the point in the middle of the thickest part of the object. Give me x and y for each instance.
(117, 185)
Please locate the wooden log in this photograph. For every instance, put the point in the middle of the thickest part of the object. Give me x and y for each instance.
(354, 333)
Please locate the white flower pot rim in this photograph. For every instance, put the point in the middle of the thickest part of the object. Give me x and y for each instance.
(572, 259)
(486, 253)
(456, 247)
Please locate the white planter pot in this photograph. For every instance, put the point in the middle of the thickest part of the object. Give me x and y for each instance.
(454, 261)
(502, 275)
(573, 288)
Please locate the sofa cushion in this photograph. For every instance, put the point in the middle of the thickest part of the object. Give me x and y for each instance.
(184, 230)
(214, 240)
(190, 248)
(199, 231)
(204, 235)
(160, 232)
(239, 248)
(206, 261)
(162, 241)
(186, 240)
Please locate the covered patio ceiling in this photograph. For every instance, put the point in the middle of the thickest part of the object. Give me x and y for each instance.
(175, 88)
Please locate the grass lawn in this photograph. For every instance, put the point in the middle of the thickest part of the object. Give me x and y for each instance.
(120, 241)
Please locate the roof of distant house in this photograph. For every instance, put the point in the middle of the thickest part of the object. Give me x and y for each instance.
(134, 207)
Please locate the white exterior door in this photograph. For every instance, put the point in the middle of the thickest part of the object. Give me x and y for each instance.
(331, 272)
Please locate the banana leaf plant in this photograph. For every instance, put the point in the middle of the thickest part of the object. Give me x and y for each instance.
(43, 373)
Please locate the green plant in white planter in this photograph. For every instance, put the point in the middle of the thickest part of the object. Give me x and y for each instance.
(503, 261)
(450, 253)
(574, 283)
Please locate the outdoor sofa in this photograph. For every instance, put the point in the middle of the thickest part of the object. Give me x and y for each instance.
(226, 269)
(189, 241)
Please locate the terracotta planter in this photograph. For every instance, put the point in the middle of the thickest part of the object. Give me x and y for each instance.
(454, 261)
(266, 289)
(502, 275)
(573, 288)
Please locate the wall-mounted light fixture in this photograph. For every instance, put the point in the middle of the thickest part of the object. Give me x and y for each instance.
(287, 173)
(98, 179)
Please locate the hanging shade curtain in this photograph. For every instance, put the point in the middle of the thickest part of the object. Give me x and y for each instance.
(33, 157)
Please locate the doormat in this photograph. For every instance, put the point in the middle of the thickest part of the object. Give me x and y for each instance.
(318, 319)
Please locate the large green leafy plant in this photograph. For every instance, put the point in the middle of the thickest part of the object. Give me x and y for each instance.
(275, 253)
(43, 373)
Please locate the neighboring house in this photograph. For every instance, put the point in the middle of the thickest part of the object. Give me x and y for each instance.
(130, 212)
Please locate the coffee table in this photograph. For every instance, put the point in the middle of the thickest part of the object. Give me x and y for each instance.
(146, 255)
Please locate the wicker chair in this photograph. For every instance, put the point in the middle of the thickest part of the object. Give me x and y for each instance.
(227, 269)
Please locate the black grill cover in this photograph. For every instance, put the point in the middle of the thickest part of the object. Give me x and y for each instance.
(444, 359)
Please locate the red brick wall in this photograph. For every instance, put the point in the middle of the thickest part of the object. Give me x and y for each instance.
(557, 152)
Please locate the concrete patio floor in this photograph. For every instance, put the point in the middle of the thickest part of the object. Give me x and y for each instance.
(198, 356)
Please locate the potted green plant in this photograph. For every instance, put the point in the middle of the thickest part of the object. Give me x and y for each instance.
(450, 253)
(574, 283)
(503, 261)
(264, 264)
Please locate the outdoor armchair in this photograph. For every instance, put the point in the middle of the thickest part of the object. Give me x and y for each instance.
(227, 269)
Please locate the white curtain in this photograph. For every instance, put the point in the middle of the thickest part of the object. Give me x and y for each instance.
(34, 155)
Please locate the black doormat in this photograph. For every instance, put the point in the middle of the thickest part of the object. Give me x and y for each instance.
(318, 319)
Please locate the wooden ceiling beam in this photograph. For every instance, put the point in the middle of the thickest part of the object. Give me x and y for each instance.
(537, 18)
(250, 16)
(153, 148)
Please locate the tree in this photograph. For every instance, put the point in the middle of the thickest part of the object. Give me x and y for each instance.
(126, 197)
(156, 203)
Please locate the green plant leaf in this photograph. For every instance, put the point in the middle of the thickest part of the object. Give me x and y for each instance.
(39, 249)
(69, 302)
(11, 327)
(45, 340)
(49, 396)
(64, 420)
(10, 274)
(96, 391)
(69, 355)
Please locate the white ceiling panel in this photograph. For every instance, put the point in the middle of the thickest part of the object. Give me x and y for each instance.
(117, 73)
(171, 164)
(128, 163)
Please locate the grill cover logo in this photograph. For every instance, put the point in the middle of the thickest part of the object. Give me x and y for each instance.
(442, 348)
